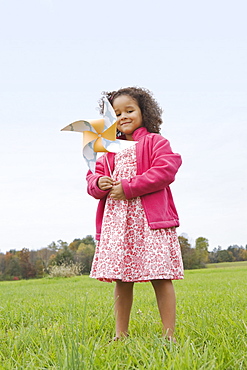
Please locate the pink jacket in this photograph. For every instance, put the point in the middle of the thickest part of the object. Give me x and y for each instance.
(157, 166)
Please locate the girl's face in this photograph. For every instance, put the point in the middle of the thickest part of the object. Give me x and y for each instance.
(128, 113)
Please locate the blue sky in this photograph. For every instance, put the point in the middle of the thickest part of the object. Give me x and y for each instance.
(56, 59)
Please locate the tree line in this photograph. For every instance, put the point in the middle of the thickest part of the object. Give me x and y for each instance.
(199, 256)
(26, 264)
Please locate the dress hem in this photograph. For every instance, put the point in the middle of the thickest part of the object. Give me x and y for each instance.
(140, 280)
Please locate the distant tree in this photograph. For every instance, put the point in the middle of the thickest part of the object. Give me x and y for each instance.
(188, 254)
(84, 256)
(243, 254)
(64, 256)
(61, 244)
(12, 265)
(184, 244)
(45, 254)
(54, 247)
(2, 264)
(238, 252)
(88, 240)
(201, 247)
(231, 254)
(39, 268)
(225, 256)
(51, 261)
(75, 244)
(27, 269)
(30, 264)
(212, 256)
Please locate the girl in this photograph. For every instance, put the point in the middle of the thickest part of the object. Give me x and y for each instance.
(136, 216)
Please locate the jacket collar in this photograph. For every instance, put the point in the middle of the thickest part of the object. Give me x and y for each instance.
(137, 134)
(140, 132)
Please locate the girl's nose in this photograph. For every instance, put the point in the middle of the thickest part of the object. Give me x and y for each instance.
(123, 115)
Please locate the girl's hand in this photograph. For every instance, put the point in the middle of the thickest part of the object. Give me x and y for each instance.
(117, 192)
(105, 183)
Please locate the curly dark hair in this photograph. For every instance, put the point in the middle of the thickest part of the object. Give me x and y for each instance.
(150, 109)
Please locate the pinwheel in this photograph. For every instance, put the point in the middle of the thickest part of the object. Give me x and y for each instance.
(99, 135)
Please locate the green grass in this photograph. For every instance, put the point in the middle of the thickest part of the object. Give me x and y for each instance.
(67, 323)
(227, 264)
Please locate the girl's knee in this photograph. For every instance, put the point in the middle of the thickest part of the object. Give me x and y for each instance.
(162, 284)
(124, 284)
(158, 282)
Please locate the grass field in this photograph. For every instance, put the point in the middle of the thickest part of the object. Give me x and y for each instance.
(67, 323)
(227, 264)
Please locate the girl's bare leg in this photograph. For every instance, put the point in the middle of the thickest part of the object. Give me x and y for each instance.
(123, 303)
(166, 300)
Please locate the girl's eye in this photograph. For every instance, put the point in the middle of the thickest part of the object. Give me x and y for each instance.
(118, 114)
(130, 111)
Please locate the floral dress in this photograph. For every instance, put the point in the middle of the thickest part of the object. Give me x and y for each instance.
(128, 249)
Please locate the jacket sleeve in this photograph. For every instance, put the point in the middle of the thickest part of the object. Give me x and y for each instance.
(161, 168)
(92, 180)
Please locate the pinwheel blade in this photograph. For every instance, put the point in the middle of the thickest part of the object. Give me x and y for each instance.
(109, 114)
(90, 155)
(117, 145)
(79, 126)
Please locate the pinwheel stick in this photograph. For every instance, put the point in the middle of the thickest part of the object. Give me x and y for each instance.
(108, 164)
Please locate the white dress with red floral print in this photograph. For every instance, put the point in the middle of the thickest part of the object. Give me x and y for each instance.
(128, 249)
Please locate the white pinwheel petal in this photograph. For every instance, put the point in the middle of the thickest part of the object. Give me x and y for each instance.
(109, 114)
(117, 145)
(79, 126)
(90, 155)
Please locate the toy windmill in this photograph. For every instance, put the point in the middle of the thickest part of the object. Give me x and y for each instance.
(99, 135)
